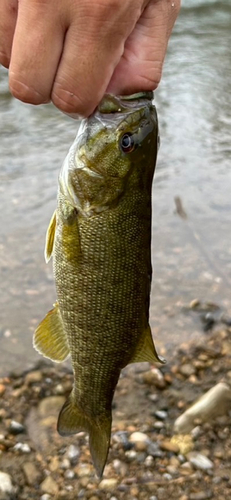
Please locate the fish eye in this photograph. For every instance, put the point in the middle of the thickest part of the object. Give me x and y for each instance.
(127, 143)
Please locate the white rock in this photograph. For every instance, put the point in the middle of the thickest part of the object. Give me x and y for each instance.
(213, 403)
(23, 447)
(199, 461)
(45, 497)
(5, 483)
(139, 437)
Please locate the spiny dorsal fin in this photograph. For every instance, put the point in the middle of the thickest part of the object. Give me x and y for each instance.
(146, 350)
(50, 236)
(72, 420)
(50, 339)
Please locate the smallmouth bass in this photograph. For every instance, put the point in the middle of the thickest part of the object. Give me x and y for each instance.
(100, 239)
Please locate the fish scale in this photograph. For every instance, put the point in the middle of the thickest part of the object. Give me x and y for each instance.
(100, 238)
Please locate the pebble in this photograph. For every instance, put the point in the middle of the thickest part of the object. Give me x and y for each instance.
(65, 464)
(170, 446)
(2, 389)
(187, 370)
(140, 440)
(49, 485)
(69, 474)
(73, 454)
(108, 484)
(16, 428)
(184, 442)
(23, 447)
(161, 414)
(83, 470)
(33, 377)
(149, 461)
(201, 495)
(31, 473)
(6, 483)
(199, 461)
(131, 455)
(154, 377)
(45, 497)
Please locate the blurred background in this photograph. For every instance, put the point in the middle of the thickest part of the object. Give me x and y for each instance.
(191, 248)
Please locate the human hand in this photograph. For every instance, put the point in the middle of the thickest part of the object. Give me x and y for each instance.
(73, 51)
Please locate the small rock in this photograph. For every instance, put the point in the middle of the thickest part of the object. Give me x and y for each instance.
(69, 474)
(54, 464)
(201, 495)
(154, 450)
(199, 461)
(6, 483)
(154, 377)
(161, 414)
(149, 461)
(33, 377)
(153, 497)
(49, 486)
(131, 455)
(16, 428)
(32, 474)
(184, 442)
(140, 440)
(108, 484)
(2, 389)
(169, 446)
(23, 447)
(172, 470)
(213, 403)
(158, 425)
(73, 454)
(83, 470)
(45, 497)
(187, 370)
(65, 464)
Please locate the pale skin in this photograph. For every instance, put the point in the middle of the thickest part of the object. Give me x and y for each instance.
(71, 52)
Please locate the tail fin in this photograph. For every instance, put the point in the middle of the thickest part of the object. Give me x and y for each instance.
(73, 419)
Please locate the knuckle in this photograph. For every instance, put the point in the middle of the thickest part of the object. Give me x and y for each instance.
(71, 104)
(25, 93)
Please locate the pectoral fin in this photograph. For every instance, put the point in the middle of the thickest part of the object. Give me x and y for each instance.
(73, 419)
(50, 236)
(50, 339)
(146, 350)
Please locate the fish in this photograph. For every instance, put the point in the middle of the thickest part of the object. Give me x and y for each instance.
(100, 240)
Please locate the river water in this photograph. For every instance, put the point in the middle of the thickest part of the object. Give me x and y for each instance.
(192, 256)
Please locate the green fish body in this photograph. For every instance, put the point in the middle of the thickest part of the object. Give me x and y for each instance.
(100, 238)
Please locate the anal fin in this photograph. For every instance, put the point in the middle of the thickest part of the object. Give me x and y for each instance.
(146, 350)
(50, 339)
